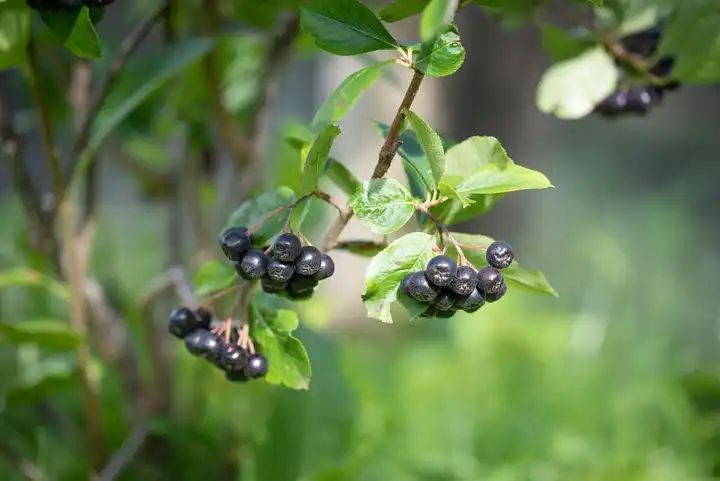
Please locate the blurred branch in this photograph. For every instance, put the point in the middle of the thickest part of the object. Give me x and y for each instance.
(30, 470)
(80, 98)
(121, 458)
(175, 278)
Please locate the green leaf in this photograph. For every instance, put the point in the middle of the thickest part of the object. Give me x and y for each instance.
(480, 165)
(453, 211)
(25, 277)
(263, 209)
(14, 33)
(342, 177)
(317, 158)
(288, 361)
(436, 17)
(38, 390)
(408, 253)
(442, 57)
(415, 162)
(383, 205)
(344, 98)
(345, 27)
(560, 44)
(401, 9)
(570, 89)
(362, 247)
(474, 247)
(137, 82)
(214, 276)
(449, 191)
(75, 30)
(431, 144)
(49, 334)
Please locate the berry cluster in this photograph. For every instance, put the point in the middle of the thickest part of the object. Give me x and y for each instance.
(287, 267)
(447, 287)
(66, 4)
(640, 98)
(224, 346)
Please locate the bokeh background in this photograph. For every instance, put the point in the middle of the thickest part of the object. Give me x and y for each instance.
(617, 379)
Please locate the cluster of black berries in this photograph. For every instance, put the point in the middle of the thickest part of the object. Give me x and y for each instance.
(287, 267)
(639, 99)
(231, 352)
(448, 288)
(66, 4)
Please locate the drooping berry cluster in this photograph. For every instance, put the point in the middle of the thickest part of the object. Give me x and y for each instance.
(287, 267)
(447, 287)
(224, 346)
(639, 99)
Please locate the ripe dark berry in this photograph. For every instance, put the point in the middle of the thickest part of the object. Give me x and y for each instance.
(253, 265)
(496, 296)
(234, 358)
(441, 270)
(300, 284)
(236, 376)
(445, 314)
(287, 247)
(405, 283)
(472, 302)
(195, 341)
(445, 300)
(420, 289)
(300, 295)
(257, 366)
(489, 280)
(213, 348)
(308, 262)
(499, 254)
(235, 242)
(640, 99)
(465, 281)
(204, 317)
(429, 312)
(280, 271)
(272, 287)
(643, 43)
(182, 322)
(327, 268)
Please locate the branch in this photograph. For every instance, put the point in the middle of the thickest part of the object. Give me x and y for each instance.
(123, 456)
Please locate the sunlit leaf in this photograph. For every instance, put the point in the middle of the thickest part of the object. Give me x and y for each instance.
(383, 205)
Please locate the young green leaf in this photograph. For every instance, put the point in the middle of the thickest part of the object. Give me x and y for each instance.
(214, 276)
(402, 9)
(436, 17)
(453, 210)
(480, 165)
(406, 254)
(48, 334)
(431, 144)
(345, 27)
(75, 30)
(383, 205)
(570, 89)
(288, 362)
(342, 177)
(561, 45)
(344, 98)
(317, 158)
(262, 212)
(442, 57)
(14, 33)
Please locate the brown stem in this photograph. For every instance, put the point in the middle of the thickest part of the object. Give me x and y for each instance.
(123, 456)
(636, 62)
(445, 233)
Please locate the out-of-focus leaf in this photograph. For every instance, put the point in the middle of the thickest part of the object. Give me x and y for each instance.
(363, 247)
(342, 177)
(42, 388)
(48, 334)
(241, 73)
(14, 33)
(441, 57)
(25, 277)
(317, 158)
(75, 30)
(259, 209)
(383, 205)
(401, 9)
(214, 276)
(436, 17)
(432, 146)
(561, 45)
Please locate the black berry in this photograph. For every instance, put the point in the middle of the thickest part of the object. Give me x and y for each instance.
(233, 358)
(308, 262)
(327, 268)
(441, 270)
(236, 376)
(420, 289)
(204, 317)
(489, 280)
(445, 314)
(405, 283)
(213, 348)
(195, 342)
(182, 322)
(472, 302)
(445, 300)
(465, 281)
(287, 247)
(280, 271)
(272, 287)
(299, 295)
(300, 284)
(496, 296)
(499, 254)
(253, 265)
(429, 312)
(257, 366)
(235, 242)
(643, 43)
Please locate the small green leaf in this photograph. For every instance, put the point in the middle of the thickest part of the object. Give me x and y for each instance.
(442, 57)
(345, 27)
(383, 205)
(75, 30)
(317, 158)
(214, 276)
(14, 33)
(48, 334)
(453, 211)
(288, 361)
(570, 89)
(25, 277)
(401, 9)
(431, 144)
(480, 165)
(362, 247)
(449, 191)
(436, 17)
(406, 254)
(264, 209)
(342, 177)
(561, 45)
(415, 162)
(339, 103)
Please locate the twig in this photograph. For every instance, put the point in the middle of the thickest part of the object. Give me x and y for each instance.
(277, 211)
(123, 456)
(172, 277)
(444, 231)
(359, 245)
(636, 62)
(30, 470)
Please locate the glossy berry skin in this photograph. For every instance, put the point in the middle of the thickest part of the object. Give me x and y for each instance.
(257, 366)
(489, 280)
(287, 247)
(204, 317)
(280, 271)
(235, 242)
(421, 289)
(308, 262)
(499, 254)
(327, 268)
(253, 265)
(472, 302)
(195, 341)
(299, 284)
(300, 295)
(233, 358)
(182, 322)
(445, 300)
(441, 270)
(405, 284)
(643, 43)
(213, 347)
(272, 287)
(465, 281)
(236, 376)
(496, 296)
